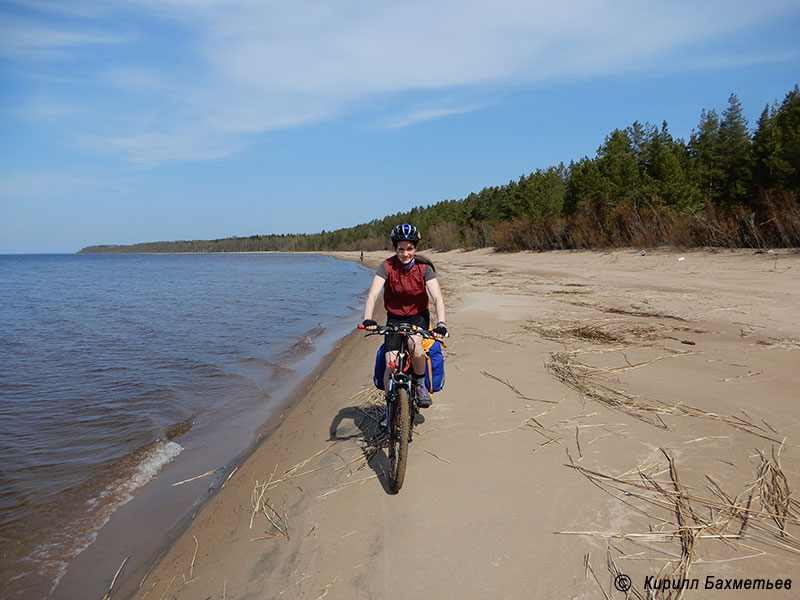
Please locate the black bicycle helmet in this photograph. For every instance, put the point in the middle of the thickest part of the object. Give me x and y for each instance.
(405, 233)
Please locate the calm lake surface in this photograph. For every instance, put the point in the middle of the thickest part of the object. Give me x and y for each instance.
(115, 366)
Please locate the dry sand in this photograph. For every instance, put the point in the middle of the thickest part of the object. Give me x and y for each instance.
(604, 414)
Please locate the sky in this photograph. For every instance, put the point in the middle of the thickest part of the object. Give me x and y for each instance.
(127, 121)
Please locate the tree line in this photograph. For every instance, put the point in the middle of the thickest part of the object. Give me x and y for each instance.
(727, 186)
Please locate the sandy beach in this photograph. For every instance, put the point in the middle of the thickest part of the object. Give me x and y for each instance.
(606, 414)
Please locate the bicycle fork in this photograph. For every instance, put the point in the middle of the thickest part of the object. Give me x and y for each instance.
(398, 380)
(391, 395)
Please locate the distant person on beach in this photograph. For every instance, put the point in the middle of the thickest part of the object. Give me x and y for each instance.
(362, 256)
(408, 280)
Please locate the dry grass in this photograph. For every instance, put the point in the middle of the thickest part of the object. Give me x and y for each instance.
(595, 383)
(762, 518)
(279, 522)
(368, 405)
(592, 383)
(597, 331)
(780, 344)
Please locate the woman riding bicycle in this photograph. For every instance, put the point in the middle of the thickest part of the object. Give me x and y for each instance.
(407, 281)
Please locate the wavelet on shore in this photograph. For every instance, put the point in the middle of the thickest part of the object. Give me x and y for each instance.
(114, 394)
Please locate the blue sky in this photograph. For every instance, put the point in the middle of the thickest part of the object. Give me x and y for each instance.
(141, 120)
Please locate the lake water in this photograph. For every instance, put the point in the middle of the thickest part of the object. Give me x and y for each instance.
(115, 366)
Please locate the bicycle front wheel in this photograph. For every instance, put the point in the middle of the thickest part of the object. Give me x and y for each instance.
(398, 439)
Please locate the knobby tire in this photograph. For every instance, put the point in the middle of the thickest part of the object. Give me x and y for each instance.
(398, 440)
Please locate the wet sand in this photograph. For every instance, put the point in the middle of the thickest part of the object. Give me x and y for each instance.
(605, 414)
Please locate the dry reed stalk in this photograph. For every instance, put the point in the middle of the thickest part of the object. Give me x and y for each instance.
(605, 435)
(153, 566)
(113, 581)
(258, 494)
(194, 556)
(348, 484)
(577, 376)
(588, 382)
(291, 470)
(641, 313)
(437, 456)
(261, 489)
(551, 409)
(707, 437)
(688, 535)
(147, 593)
(540, 430)
(206, 474)
(588, 569)
(505, 382)
(328, 588)
(168, 586)
(604, 331)
(543, 444)
(191, 566)
(631, 367)
(266, 505)
(620, 485)
(261, 505)
(774, 493)
(502, 339)
(270, 536)
(286, 518)
(666, 537)
(731, 520)
(485, 433)
(227, 479)
(361, 459)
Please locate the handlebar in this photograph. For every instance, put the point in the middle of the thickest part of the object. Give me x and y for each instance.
(402, 328)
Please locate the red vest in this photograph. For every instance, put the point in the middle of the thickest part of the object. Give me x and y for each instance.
(404, 292)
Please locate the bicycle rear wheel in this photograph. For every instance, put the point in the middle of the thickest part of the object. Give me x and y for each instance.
(398, 439)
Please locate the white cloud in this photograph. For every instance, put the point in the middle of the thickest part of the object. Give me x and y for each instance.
(41, 108)
(78, 8)
(243, 67)
(154, 148)
(26, 39)
(132, 79)
(428, 114)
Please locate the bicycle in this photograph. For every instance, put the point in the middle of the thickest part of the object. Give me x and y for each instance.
(401, 401)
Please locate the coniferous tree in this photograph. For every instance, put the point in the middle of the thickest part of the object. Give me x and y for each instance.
(586, 187)
(787, 122)
(617, 164)
(667, 174)
(706, 163)
(735, 148)
(766, 150)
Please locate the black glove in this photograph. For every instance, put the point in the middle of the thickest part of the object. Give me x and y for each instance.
(367, 323)
(440, 329)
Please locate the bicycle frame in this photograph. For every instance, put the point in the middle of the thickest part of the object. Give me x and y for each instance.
(400, 378)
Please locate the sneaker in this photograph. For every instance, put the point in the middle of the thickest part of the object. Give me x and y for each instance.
(384, 419)
(424, 399)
